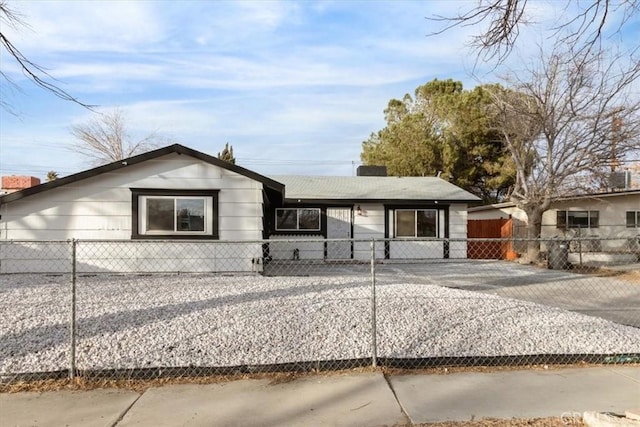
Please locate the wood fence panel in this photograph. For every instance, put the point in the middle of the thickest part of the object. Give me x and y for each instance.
(489, 229)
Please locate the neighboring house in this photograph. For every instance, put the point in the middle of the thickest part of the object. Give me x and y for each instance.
(176, 193)
(613, 216)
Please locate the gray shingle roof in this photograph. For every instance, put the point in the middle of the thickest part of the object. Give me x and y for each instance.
(371, 188)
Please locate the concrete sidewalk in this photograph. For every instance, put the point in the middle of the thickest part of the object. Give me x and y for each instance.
(338, 400)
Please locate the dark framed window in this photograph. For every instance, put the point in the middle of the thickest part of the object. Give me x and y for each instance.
(416, 223)
(578, 219)
(633, 219)
(174, 214)
(298, 219)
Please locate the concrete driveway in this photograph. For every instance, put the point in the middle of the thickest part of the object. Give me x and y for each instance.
(605, 297)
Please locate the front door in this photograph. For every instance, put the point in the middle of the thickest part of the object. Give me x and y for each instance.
(339, 227)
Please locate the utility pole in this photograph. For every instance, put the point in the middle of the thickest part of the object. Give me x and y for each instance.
(616, 127)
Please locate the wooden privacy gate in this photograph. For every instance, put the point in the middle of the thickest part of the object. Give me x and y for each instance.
(490, 229)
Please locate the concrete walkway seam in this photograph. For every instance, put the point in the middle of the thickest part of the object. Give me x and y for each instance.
(395, 395)
(629, 377)
(126, 410)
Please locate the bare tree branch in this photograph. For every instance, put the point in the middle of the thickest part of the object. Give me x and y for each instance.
(31, 70)
(105, 139)
(574, 114)
(503, 20)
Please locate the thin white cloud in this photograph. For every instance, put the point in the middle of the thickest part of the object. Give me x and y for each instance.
(259, 58)
(226, 25)
(267, 14)
(277, 116)
(62, 26)
(175, 119)
(220, 72)
(119, 70)
(278, 80)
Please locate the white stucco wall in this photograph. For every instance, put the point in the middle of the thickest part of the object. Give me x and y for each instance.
(458, 230)
(408, 249)
(100, 208)
(366, 226)
(612, 219)
(370, 224)
(612, 229)
(309, 246)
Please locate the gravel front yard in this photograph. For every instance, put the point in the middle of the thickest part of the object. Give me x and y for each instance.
(208, 320)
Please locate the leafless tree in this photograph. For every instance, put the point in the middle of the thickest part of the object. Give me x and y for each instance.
(573, 114)
(582, 28)
(34, 72)
(105, 139)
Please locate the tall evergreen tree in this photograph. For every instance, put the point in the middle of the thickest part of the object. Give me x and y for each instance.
(52, 176)
(447, 131)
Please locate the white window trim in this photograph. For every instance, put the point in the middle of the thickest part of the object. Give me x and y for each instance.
(298, 219)
(415, 224)
(142, 216)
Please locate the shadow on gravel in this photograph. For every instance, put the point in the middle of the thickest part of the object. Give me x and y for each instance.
(40, 338)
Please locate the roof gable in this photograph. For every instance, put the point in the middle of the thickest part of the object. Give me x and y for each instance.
(175, 148)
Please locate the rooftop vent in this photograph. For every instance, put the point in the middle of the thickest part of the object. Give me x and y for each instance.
(372, 170)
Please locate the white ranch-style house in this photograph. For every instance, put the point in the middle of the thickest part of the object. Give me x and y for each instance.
(613, 217)
(179, 194)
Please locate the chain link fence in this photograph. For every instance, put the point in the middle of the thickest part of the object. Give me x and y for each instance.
(148, 309)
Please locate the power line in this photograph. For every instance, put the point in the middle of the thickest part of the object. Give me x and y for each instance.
(295, 162)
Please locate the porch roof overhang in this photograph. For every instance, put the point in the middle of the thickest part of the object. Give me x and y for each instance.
(372, 189)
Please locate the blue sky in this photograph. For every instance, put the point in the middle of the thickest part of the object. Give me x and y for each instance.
(295, 87)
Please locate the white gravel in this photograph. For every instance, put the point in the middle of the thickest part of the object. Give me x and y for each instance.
(206, 320)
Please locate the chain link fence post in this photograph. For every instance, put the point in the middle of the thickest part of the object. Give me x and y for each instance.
(153, 309)
(374, 333)
(72, 320)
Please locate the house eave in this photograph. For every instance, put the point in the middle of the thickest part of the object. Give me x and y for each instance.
(386, 202)
(506, 205)
(599, 195)
(120, 164)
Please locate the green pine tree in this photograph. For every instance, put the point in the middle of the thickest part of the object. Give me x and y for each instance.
(227, 154)
(444, 131)
(52, 176)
